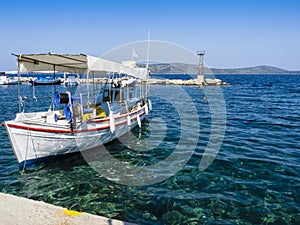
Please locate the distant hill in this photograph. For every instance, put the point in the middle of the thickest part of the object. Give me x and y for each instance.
(254, 70)
(177, 68)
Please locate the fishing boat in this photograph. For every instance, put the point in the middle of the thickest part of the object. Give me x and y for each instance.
(82, 120)
(5, 80)
(125, 81)
(45, 81)
(71, 81)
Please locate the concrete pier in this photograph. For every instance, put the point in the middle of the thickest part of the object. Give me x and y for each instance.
(19, 211)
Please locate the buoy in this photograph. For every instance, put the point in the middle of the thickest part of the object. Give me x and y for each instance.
(150, 104)
(128, 120)
(139, 120)
(112, 123)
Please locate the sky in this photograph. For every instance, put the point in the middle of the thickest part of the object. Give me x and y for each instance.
(233, 33)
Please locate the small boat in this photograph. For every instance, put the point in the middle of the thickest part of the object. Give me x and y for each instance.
(4, 80)
(125, 81)
(45, 81)
(71, 81)
(89, 118)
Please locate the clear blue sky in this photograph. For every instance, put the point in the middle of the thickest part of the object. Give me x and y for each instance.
(233, 33)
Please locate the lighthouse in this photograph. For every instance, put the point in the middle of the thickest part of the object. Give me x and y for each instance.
(200, 76)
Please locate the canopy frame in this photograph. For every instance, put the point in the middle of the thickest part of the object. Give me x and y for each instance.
(73, 63)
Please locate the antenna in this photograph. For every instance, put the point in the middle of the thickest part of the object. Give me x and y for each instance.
(147, 65)
(148, 50)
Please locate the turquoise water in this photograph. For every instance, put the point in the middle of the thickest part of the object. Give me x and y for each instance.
(254, 178)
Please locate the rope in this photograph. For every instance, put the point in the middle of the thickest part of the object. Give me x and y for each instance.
(24, 166)
(33, 93)
(75, 205)
(22, 105)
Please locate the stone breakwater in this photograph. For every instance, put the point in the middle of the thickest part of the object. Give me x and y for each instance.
(194, 82)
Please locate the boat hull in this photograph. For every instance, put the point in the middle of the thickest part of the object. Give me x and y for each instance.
(36, 82)
(35, 142)
(9, 83)
(71, 84)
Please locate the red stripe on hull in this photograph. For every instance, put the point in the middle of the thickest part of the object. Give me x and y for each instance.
(38, 129)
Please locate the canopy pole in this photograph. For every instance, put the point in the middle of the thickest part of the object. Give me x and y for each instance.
(94, 98)
(110, 88)
(19, 88)
(88, 87)
(54, 88)
(141, 90)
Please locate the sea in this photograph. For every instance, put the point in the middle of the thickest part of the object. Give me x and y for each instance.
(211, 155)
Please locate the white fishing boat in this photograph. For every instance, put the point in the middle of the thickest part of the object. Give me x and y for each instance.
(71, 80)
(88, 119)
(5, 80)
